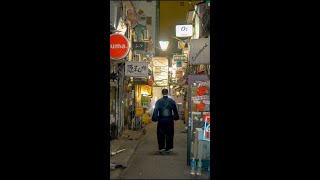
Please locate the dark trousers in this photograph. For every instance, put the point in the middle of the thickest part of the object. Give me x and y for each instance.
(165, 133)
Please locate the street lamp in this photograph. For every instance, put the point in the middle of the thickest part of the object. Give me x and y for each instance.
(164, 45)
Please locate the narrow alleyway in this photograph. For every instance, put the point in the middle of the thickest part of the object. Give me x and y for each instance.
(148, 163)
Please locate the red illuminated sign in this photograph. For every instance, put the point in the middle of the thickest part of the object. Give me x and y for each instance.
(119, 46)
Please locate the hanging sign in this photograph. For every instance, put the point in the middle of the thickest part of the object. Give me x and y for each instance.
(136, 69)
(179, 58)
(146, 90)
(184, 30)
(138, 45)
(200, 51)
(119, 46)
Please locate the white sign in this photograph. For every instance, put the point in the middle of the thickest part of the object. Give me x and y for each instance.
(199, 51)
(136, 69)
(184, 30)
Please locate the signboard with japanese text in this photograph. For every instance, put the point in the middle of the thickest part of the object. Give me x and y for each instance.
(184, 30)
(138, 45)
(179, 58)
(136, 69)
(199, 51)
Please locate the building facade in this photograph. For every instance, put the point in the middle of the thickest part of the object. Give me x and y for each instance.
(137, 21)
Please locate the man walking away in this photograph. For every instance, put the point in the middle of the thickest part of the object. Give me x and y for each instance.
(165, 112)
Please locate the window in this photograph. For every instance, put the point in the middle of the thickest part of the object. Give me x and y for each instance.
(149, 21)
(181, 3)
(143, 18)
(149, 0)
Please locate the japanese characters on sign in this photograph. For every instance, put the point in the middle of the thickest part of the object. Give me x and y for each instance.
(138, 45)
(136, 69)
(179, 58)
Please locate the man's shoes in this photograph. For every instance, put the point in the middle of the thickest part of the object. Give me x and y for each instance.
(162, 150)
(169, 150)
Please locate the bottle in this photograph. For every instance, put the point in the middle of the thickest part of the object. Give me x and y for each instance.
(193, 166)
(199, 170)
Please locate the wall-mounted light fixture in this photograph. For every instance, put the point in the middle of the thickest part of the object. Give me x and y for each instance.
(164, 45)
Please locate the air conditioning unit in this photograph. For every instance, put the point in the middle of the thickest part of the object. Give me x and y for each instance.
(137, 57)
(145, 35)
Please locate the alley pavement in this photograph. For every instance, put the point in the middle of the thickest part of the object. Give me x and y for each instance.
(148, 163)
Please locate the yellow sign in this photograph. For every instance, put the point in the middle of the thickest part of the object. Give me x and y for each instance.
(145, 89)
(139, 111)
(145, 118)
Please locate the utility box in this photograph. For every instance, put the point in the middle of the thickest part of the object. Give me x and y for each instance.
(203, 149)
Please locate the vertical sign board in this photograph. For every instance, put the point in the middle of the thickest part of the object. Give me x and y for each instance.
(138, 45)
(199, 51)
(136, 69)
(119, 46)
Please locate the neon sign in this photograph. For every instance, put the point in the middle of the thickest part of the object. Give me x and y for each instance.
(206, 132)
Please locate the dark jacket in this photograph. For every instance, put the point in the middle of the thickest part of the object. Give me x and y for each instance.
(162, 107)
